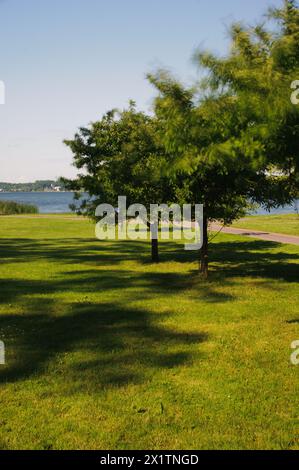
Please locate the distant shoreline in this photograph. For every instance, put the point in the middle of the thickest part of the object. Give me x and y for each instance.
(42, 192)
(36, 186)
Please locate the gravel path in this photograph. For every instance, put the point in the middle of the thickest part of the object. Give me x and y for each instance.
(269, 236)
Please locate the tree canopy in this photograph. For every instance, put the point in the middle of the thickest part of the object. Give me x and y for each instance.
(121, 155)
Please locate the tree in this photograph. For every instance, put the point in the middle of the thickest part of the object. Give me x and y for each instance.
(235, 136)
(120, 155)
(259, 72)
(188, 129)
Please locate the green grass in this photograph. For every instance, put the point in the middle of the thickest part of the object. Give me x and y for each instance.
(287, 223)
(107, 351)
(12, 207)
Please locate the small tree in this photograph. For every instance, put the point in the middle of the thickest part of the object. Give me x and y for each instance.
(120, 155)
(189, 130)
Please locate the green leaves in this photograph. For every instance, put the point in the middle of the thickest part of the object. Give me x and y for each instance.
(238, 125)
(121, 155)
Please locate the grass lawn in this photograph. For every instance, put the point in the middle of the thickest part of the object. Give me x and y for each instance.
(107, 351)
(286, 223)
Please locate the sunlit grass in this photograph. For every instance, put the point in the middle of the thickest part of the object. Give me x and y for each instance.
(106, 350)
(283, 223)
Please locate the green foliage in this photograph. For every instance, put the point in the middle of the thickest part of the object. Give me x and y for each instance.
(11, 207)
(120, 155)
(188, 130)
(236, 134)
(258, 74)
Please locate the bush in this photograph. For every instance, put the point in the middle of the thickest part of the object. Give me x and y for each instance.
(11, 207)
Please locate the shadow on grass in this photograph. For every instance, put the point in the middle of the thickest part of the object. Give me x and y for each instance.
(71, 250)
(255, 259)
(119, 344)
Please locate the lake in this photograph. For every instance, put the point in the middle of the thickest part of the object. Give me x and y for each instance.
(57, 203)
(47, 203)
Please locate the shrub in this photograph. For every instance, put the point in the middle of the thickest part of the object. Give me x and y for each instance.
(11, 207)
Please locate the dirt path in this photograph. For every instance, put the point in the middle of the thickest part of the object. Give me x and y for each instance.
(269, 236)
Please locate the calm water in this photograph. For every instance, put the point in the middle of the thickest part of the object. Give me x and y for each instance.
(280, 210)
(59, 202)
(46, 202)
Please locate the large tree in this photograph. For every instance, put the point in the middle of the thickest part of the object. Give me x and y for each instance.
(120, 155)
(235, 135)
(258, 73)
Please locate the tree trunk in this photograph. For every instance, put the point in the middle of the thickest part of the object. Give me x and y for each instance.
(155, 251)
(154, 241)
(204, 259)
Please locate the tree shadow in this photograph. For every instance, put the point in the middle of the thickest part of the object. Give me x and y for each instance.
(71, 250)
(247, 258)
(121, 344)
(254, 258)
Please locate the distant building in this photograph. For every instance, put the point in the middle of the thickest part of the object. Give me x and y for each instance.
(55, 188)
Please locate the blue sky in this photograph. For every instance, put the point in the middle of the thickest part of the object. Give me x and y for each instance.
(66, 62)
